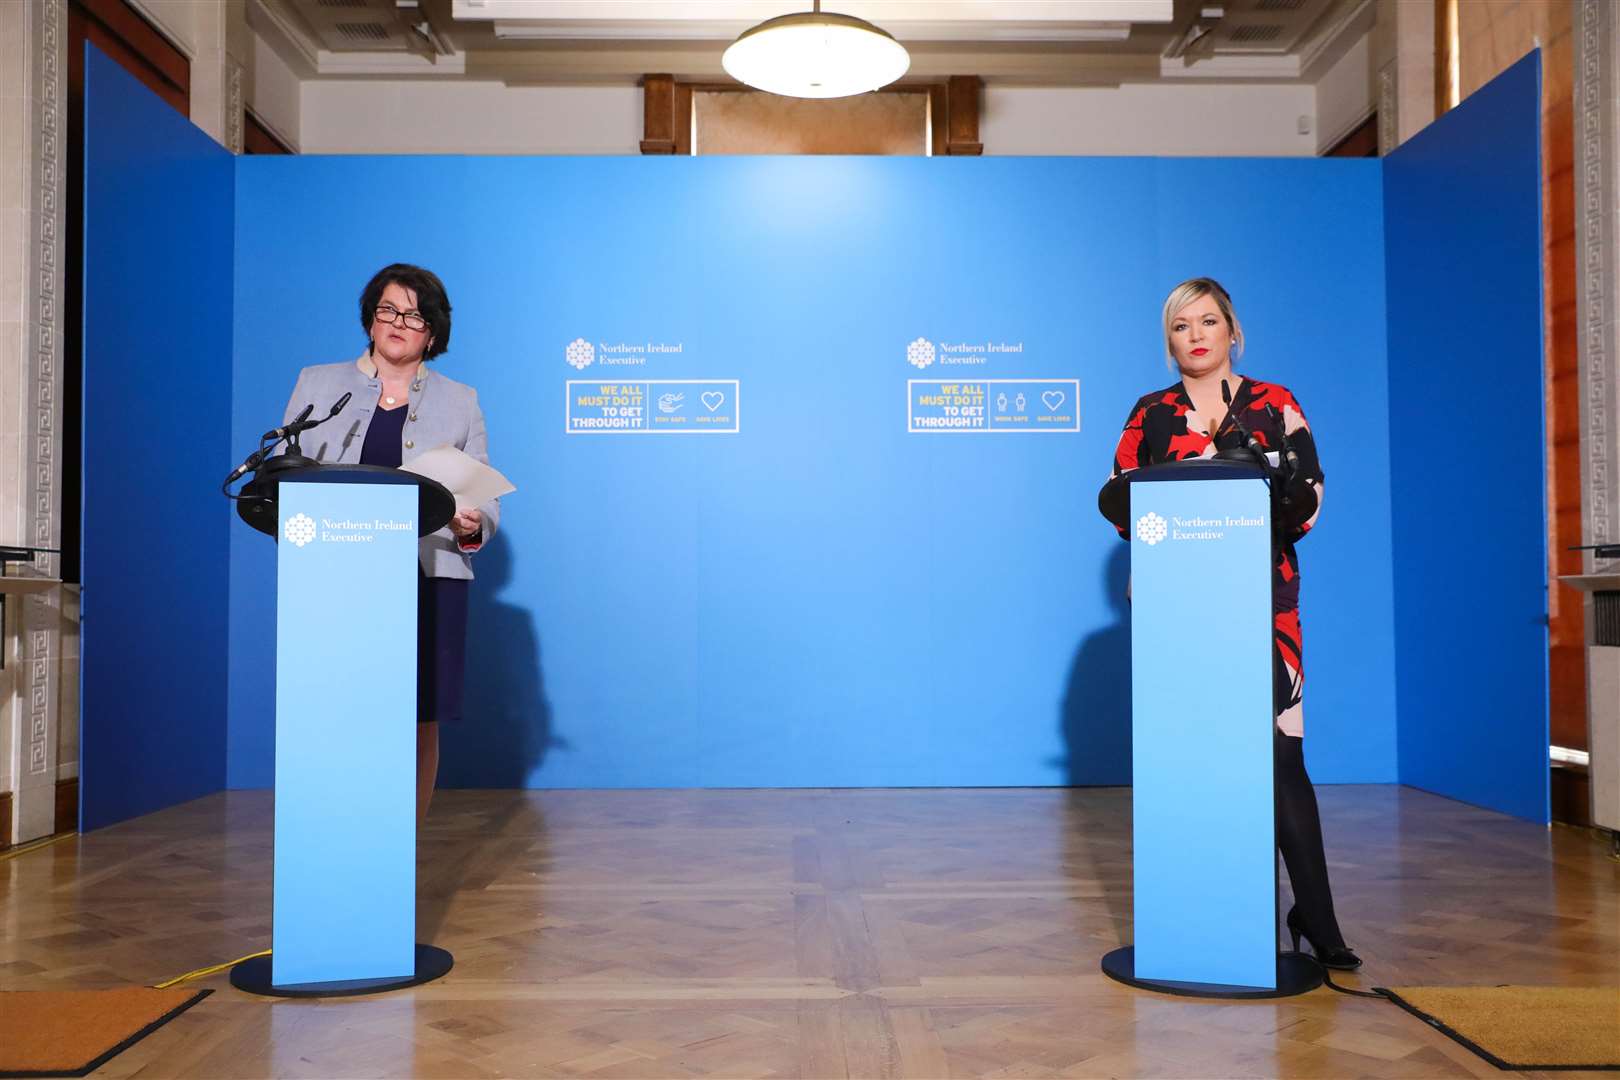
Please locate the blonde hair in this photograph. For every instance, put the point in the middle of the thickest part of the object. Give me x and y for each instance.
(1195, 289)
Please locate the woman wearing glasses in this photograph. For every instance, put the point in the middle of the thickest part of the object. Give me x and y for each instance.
(400, 408)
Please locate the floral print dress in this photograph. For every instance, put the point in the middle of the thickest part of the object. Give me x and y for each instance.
(1158, 431)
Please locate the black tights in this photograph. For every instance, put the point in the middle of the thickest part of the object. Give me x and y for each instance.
(1299, 835)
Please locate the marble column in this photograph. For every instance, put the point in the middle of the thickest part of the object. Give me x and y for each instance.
(1597, 209)
(33, 73)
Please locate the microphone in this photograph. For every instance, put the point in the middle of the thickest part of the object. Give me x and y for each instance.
(254, 460)
(1299, 499)
(337, 407)
(1254, 445)
(1287, 445)
(287, 429)
(302, 422)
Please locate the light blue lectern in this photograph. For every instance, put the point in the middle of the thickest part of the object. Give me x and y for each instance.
(1204, 839)
(344, 905)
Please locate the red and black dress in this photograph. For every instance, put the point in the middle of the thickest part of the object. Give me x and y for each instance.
(1158, 431)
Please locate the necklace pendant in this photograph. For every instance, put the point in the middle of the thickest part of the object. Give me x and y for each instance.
(388, 400)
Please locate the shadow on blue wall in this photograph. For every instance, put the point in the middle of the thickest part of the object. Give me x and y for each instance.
(506, 686)
(785, 607)
(1097, 701)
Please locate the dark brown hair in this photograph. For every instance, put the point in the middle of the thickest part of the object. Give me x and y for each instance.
(431, 301)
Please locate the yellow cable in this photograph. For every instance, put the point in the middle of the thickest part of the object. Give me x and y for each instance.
(200, 972)
(35, 845)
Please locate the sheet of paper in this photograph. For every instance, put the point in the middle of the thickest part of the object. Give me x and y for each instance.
(469, 480)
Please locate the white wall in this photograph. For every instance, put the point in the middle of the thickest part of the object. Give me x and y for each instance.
(175, 19)
(422, 117)
(426, 117)
(214, 36)
(368, 116)
(1153, 119)
(1344, 95)
(274, 92)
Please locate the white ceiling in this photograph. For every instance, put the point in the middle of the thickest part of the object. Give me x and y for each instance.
(1030, 42)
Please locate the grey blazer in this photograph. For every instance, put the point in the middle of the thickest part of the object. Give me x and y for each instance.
(443, 412)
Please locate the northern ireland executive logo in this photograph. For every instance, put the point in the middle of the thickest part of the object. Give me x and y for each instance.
(580, 353)
(920, 353)
(300, 529)
(1151, 528)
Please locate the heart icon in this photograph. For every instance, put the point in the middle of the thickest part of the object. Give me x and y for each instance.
(1053, 399)
(712, 399)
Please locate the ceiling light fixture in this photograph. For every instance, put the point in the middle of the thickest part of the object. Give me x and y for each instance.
(816, 54)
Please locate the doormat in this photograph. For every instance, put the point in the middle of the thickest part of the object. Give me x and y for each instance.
(75, 1032)
(1524, 1027)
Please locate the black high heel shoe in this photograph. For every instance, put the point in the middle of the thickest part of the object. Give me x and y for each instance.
(1339, 959)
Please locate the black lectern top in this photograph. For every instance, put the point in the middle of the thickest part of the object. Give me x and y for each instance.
(1114, 500)
(435, 506)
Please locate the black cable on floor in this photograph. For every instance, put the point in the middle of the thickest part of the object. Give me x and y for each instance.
(1375, 992)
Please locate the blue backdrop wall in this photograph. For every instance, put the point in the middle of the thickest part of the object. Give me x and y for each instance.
(158, 211)
(1462, 217)
(824, 598)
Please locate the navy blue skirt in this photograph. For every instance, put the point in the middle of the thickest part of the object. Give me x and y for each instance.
(441, 603)
(441, 647)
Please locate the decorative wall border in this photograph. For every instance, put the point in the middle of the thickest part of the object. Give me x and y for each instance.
(41, 616)
(1388, 132)
(233, 106)
(1596, 188)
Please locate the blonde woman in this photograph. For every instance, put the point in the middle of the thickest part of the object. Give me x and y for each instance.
(1206, 411)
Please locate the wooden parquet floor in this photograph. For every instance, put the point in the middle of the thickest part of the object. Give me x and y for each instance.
(875, 933)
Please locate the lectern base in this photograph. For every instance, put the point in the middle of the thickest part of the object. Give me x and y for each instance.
(254, 977)
(1296, 974)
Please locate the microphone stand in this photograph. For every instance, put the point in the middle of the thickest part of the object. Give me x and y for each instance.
(292, 458)
(1290, 459)
(264, 467)
(1251, 443)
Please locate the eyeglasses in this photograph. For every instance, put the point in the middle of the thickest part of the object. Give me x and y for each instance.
(388, 313)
